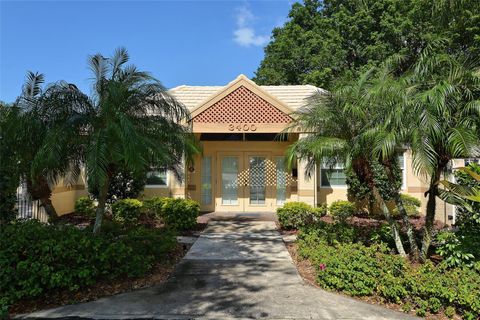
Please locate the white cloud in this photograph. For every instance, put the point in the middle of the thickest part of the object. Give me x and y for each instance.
(245, 35)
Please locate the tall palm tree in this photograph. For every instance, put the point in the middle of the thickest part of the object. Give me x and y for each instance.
(37, 121)
(390, 135)
(337, 124)
(446, 105)
(130, 122)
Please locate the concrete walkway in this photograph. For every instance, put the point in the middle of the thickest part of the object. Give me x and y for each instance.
(236, 269)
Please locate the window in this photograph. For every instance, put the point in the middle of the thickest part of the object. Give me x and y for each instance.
(471, 160)
(206, 189)
(333, 175)
(401, 164)
(281, 180)
(157, 178)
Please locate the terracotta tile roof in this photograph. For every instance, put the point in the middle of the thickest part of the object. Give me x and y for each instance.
(292, 95)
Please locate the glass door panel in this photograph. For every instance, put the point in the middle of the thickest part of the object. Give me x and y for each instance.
(206, 186)
(229, 192)
(257, 170)
(281, 181)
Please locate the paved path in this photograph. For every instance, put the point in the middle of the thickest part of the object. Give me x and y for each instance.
(236, 269)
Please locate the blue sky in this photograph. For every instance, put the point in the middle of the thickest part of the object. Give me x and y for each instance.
(179, 42)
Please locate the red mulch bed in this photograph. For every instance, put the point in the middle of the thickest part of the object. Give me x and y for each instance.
(158, 275)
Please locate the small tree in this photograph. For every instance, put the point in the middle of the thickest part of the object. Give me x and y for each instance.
(9, 175)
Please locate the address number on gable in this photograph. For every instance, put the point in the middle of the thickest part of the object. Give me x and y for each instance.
(242, 127)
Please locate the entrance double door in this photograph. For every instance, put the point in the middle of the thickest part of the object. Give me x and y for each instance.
(250, 181)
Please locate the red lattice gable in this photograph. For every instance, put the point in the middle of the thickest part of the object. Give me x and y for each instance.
(242, 106)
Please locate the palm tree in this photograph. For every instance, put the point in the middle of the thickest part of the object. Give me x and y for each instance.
(446, 105)
(130, 123)
(37, 121)
(389, 136)
(337, 124)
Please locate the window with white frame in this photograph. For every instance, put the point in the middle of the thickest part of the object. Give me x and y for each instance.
(401, 164)
(333, 175)
(157, 178)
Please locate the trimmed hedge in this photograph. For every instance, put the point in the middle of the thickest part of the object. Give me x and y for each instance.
(176, 213)
(359, 270)
(294, 215)
(84, 206)
(341, 210)
(127, 211)
(36, 258)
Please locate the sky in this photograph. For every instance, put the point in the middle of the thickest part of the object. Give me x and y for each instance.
(178, 42)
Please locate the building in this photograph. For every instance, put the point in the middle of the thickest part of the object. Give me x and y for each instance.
(242, 168)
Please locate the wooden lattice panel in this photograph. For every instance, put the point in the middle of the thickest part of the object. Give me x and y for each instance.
(242, 106)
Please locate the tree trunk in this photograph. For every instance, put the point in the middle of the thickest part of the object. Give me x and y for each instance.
(408, 226)
(40, 190)
(102, 199)
(394, 228)
(429, 220)
(49, 209)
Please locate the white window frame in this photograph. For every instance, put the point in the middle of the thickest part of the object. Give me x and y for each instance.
(159, 186)
(324, 166)
(404, 171)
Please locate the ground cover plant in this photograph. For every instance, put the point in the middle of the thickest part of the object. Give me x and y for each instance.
(360, 263)
(36, 259)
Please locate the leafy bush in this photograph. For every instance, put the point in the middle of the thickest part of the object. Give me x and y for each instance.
(329, 233)
(153, 207)
(123, 185)
(127, 211)
(36, 258)
(180, 214)
(294, 215)
(84, 206)
(341, 210)
(412, 206)
(359, 270)
(454, 251)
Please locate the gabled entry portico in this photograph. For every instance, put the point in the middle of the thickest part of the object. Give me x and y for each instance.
(243, 165)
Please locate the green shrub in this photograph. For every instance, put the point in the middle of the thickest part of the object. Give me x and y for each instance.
(434, 305)
(127, 211)
(358, 270)
(294, 215)
(180, 214)
(329, 233)
(36, 258)
(341, 210)
(454, 251)
(84, 206)
(412, 206)
(153, 207)
(450, 311)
